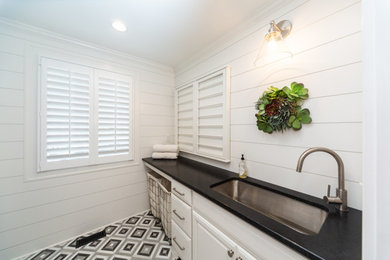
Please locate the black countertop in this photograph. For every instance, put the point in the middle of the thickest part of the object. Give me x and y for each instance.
(339, 237)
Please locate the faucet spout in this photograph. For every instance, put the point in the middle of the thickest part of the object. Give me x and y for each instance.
(341, 193)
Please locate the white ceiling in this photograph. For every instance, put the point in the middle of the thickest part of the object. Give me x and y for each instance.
(166, 31)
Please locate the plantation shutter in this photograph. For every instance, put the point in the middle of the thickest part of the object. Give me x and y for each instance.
(114, 115)
(211, 115)
(203, 116)
(185, 100)
(65, 114)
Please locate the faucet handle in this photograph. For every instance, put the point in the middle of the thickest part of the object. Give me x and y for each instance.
(328, 193)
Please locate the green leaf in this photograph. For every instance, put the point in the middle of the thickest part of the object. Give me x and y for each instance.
(306, 119)
(268, 129)
(304, 112)
(291, 119)
(296, 125)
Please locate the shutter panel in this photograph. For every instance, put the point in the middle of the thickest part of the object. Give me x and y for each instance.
(114, 115)
(185, 100)
(65, 112)
(211, 102)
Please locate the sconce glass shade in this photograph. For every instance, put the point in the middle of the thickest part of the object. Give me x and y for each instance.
(274, 47)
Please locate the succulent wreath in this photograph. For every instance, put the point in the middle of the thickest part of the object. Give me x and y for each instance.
(280, 109)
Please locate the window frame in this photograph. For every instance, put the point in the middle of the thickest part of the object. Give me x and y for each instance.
(94, 160)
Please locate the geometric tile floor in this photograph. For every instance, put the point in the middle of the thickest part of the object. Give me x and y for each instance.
(136, 238)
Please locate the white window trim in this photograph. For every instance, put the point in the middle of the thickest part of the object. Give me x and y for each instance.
(82, 166)
(226, 158)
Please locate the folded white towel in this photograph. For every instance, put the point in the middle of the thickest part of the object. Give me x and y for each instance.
(171, 148)
(164, 155)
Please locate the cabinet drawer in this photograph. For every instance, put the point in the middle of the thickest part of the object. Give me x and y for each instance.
(181, 214)
(182, 192)
(181, 242)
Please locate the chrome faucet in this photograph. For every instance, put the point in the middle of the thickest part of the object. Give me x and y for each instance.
(341, 194)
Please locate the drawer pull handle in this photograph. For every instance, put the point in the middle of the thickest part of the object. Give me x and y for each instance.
(180, 217)
(181, 248)
(230, 253)
(178, 192)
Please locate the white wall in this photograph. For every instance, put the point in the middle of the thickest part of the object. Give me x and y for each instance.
(41, 212)
(376, 213)
(327, 44)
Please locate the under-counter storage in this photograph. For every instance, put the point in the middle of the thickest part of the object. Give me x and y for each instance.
(182, 192)
(159, 189)
(181, 214)
(181, 243)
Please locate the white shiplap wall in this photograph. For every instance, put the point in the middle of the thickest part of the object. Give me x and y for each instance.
(327, 44)
(35, 214)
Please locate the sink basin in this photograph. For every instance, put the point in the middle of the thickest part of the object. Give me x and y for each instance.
(297, 215)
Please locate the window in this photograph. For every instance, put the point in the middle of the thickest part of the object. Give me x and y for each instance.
(203, 116)
(85, 116)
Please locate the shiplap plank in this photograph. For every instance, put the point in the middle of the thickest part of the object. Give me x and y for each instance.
(157, 120)
(165, 80)
(317, 83)
(10, 168)
(339, 136)
(309, 13)
(11, 97)
(53, 195)
(11, 45)
(11, 133)
(311, 61)
(11, 80)
(313, 36)
(146, 98)
(11, 115)
(11, 150)
(150, 109)
(82, 223)
(28, 216)
(31, 232)
(155, 88)
(18, 185)
(150, 131)
(11, 62)
(332, 109)
(320, 163)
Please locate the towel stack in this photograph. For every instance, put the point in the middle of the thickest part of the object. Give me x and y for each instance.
(165, 151)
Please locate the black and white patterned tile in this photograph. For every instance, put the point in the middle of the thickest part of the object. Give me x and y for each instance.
(138, 237)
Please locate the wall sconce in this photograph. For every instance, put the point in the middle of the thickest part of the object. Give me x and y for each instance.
(274, 46)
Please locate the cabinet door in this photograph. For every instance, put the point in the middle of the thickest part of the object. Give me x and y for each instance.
(209, 242)
(242, 254)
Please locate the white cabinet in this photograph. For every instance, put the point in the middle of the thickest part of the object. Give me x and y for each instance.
(181, 212)
(210, 243)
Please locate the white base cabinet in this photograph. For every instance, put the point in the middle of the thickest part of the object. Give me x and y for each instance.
(211, 243)
(205, 231)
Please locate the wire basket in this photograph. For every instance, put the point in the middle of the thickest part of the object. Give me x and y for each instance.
(159, 190)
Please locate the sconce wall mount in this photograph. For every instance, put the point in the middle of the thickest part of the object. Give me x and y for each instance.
(278, 31)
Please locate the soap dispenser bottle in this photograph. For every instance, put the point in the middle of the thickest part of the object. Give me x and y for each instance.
(242, 169)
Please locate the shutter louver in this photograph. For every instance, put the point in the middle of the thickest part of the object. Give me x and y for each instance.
(67, 111)
(114, 116)
(185, 118)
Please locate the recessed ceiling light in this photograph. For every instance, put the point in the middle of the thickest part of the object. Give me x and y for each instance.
(119, 26)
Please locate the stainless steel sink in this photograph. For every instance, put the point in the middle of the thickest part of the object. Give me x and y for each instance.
(302, 217)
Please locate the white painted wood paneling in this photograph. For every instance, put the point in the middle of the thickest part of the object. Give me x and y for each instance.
(40, 212)
(328, 60)
(11, 80)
